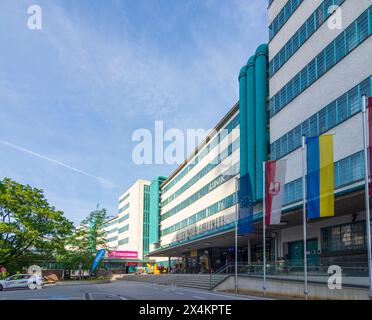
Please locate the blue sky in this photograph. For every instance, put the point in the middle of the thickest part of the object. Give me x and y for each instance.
(72, 94)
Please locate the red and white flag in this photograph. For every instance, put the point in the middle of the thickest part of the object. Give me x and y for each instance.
(274, 190)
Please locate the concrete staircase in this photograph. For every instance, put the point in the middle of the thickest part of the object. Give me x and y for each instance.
(199, 281)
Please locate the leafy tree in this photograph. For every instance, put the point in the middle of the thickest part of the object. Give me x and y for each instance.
(82, 245)
(29, 227)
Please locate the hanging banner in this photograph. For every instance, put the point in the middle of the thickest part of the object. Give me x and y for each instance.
(274, 190)
(100, 254)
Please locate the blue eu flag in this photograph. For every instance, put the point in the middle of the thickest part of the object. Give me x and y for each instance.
(245, 206)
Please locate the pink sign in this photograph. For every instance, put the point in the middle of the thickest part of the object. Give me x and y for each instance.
(123, 254)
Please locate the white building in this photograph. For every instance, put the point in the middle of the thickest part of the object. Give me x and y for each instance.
(319, 65)
(127, 234)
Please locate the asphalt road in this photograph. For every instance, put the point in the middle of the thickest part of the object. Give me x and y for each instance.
(119, 290)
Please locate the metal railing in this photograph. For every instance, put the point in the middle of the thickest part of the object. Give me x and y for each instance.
(352, 273)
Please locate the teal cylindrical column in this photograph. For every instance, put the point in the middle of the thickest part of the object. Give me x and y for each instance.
(243, 120)
(251, 123)
(261, 60)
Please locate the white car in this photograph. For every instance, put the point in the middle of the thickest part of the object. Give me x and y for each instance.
(21, 281)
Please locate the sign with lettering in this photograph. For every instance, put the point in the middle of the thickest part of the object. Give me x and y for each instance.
(200, 229)
(115, 254)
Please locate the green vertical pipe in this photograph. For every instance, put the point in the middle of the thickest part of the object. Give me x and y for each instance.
(243, 120)
(261, 60)
(154, 219)
(251, 123)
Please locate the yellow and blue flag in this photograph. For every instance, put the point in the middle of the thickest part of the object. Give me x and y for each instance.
(320, 176)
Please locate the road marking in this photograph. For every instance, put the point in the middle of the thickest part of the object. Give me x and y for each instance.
(197, 297)
(225, 295)
(176, 292)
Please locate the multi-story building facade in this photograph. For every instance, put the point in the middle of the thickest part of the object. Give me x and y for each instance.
(127, 234)
(198, 198)
(308, 81)
(319, 67)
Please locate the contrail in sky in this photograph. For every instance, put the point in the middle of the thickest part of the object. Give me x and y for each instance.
(38, 155)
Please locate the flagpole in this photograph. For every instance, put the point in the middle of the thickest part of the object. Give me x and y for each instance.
(304, 214)
(236, 235)
(366, 187)
(264, 228)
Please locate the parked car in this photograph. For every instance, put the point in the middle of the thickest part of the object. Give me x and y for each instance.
(22, 281)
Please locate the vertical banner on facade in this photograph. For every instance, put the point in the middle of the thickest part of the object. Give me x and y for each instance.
(320, 176)
(274, 190)
(98, 258)
(245, 205)
(370, 140)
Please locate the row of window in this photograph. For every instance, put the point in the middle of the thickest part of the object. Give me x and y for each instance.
(123, 241)
(319, 16)
(348, 40)
(345, 237)
(123, 218)
(124, 208)
(215, 183)
(109, 224)
(283, 16)
(346, 171)
(210, 166)
(210, 146)
(330, 116)
(125, 198)
(211, 210)
(111, 231)
(112, 239)
(123, 229)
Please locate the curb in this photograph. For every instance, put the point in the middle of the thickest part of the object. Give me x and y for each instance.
(78, 283)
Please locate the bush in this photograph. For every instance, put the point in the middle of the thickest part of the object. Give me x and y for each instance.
(4, 275)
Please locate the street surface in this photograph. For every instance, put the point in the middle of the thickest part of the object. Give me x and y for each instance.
(119, 290)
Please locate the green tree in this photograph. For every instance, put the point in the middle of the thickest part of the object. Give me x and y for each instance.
(82, 245)
(30, 229)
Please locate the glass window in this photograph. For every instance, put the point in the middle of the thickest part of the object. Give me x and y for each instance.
(354, 101)
(320, 65)
(289, 95)
(340, 47)
(290, 141)
(342, 110)
(297, 85)
(346, 236)
(312, 72)
(351, 38)
(322, 121)
(362, 26)
(331, 115)
(313, 126)
(297, 136)
(305, 129)
(329, 56)
(310, 25)
(335, 239)
(304, 79)
(302, 34)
